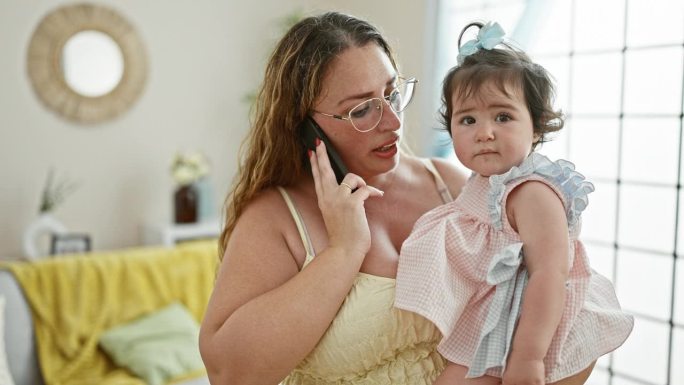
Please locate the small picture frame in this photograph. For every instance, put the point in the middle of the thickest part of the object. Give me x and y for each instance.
(70, 243)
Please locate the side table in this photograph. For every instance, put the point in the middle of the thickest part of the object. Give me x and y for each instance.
(169, 234)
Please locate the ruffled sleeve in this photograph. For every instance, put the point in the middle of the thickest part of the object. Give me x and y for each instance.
(572, 186)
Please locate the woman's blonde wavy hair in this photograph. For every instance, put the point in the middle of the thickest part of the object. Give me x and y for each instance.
(272, 154)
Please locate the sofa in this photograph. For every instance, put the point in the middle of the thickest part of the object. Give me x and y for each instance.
(58, 308)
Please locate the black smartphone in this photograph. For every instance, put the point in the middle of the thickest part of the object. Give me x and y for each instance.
(310, 130)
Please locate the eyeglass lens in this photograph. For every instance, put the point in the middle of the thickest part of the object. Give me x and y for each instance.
(367, 115)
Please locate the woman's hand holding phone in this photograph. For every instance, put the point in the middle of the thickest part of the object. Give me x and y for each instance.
(342, 205)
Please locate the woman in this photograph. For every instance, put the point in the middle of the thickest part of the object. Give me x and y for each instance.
(305, 289)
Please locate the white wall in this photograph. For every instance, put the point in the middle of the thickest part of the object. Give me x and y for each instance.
(204, 56)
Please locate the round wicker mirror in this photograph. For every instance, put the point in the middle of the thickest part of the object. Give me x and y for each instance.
(46, 63)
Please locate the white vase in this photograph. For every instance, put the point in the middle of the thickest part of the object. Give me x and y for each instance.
(205, 210)
(43, 226)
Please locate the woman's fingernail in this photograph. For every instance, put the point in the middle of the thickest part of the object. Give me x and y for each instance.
(318, 141)
(310, 152)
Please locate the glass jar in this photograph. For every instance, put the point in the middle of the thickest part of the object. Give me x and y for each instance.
(185, 204)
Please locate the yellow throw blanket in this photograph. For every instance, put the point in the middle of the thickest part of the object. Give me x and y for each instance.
(75, 298)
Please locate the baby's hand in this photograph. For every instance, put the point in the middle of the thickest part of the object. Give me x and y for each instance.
(520, 371)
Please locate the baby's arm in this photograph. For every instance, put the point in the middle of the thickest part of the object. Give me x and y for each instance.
(537, 214)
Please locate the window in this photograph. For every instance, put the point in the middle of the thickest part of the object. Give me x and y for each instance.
(619, 68)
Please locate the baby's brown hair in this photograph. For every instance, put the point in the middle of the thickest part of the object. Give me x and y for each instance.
(503, 67)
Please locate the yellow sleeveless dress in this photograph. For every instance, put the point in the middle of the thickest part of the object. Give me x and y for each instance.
(370, 341)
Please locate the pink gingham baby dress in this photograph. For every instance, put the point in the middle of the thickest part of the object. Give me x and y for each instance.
(462, 269)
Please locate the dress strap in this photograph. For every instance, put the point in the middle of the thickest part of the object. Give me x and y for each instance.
(301, 227)
(441, 186)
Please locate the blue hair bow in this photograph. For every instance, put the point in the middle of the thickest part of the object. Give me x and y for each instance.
(489, 36)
